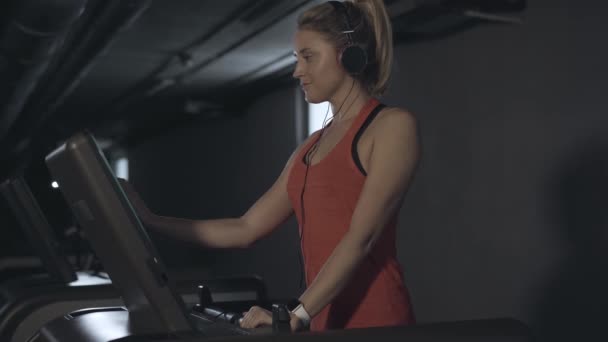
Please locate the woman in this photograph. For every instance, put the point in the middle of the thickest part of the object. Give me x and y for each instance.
(345, 183)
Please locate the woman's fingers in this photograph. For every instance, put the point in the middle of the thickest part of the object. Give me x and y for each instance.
(255, 317)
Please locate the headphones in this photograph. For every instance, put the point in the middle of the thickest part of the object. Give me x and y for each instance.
(353, 58)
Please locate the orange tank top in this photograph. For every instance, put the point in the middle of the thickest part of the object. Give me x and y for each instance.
(376, 295)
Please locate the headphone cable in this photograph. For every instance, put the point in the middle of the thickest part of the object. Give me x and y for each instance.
(307, 159)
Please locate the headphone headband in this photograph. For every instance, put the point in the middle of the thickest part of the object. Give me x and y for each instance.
(339, 7)
(353, 57)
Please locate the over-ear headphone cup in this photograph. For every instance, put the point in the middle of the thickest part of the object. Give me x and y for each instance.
(354, 59)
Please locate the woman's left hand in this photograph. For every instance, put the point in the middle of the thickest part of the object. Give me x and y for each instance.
(257, 316)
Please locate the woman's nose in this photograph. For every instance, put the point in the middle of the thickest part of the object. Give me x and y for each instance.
(297, 72)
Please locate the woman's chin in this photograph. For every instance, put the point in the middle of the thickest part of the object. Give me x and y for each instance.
(312, 99)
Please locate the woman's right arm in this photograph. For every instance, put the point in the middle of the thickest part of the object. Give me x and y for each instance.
(266, 214)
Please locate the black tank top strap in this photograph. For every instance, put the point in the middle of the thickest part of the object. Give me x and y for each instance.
(366, 123)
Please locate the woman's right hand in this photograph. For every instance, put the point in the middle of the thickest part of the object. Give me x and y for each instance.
(138, 204)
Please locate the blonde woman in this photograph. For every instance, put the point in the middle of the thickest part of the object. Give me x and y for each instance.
(345, 183)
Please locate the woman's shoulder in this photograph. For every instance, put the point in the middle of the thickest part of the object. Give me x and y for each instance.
(392, 113)
(394, 119)
(395, 130)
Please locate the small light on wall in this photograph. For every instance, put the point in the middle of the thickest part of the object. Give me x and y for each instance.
(55, 185)
(121, 168)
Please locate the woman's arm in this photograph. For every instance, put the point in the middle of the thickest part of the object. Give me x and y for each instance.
(211, 233)
(267, 213)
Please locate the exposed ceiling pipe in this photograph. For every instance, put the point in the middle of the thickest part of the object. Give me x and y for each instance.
(437, 19)
(163, 80)
(27, 46)
(116, 17)
(100, 30)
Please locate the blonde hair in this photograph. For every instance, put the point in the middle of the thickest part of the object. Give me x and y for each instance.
(373, 32)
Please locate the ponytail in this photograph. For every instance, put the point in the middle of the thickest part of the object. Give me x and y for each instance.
(380, 24)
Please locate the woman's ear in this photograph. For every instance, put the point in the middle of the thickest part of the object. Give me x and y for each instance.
(339, 57)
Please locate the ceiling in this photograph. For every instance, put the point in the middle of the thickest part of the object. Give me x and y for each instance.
(129, 69)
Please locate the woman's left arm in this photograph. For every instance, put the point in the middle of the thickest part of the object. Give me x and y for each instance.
(394, 157)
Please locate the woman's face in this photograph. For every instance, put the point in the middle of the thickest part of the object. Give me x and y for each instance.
(317, 66)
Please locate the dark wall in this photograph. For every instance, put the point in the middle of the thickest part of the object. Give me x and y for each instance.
(507, 215)
(218, 169)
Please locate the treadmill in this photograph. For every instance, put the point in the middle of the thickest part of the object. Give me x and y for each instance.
(29, 301)
(152, 306)
(153, 311)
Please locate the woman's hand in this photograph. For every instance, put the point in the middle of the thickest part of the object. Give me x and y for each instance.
(257, 316)
(296, 323)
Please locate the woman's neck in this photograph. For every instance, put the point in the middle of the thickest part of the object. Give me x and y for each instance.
(348, 105)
